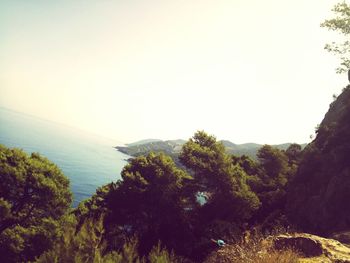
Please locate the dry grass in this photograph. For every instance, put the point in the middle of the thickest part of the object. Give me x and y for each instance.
(286, 256)
(256, 250)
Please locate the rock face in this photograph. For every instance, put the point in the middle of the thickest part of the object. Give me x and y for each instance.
(314, 246)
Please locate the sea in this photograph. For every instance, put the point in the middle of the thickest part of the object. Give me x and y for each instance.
(89, 161)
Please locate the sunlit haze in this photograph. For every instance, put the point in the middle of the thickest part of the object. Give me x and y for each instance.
(245, 71)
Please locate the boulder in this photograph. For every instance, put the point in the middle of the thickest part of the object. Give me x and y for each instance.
(309, 247)
(314, 246)
(283, 248)
(343, 237)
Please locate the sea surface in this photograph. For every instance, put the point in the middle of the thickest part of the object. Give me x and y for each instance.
(87, 160)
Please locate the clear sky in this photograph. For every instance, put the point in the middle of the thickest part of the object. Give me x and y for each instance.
(246, 71)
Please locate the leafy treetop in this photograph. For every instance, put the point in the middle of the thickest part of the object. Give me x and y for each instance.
(34, 195)
(341, 24)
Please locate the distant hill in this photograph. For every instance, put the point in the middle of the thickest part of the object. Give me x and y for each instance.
(142, 142)
(250, 149)
(173, 147)
(170, 147)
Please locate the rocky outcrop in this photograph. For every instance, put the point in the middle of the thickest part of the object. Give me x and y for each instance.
(311, 246)
(319, 193)
(299, 247)
(343, 237)
(308, 246)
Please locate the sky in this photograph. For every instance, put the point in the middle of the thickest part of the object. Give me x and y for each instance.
(245, 71)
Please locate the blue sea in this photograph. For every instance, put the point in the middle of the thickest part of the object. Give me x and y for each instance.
(87, 160)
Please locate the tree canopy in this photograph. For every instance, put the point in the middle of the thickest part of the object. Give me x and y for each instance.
(229, 196)
(151, 203)
(34, 195)
(340, 24)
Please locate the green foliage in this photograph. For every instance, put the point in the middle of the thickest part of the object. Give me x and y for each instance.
(269, 179)
(274, 162)
(294, 154)
(161, 255)
(229, 196)
(341, 24)
(34, 195)
(319, 194)
(94, 207)
(86, 245)
(167, 197)
(151, 202)
(154, 203)
(249, 165)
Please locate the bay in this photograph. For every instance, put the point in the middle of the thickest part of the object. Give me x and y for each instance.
(89, 161)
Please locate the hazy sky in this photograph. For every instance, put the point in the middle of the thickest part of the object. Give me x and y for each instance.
(247, 71)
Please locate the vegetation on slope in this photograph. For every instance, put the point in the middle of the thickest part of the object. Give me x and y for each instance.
(158, 202)
(318, 199)
(173, 148)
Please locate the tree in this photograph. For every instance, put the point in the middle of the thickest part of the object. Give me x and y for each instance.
(230, 198)
(34, 195)
(150, 203)
(341, 24)
(248, 164)
(274, 162)
(294, 152)
(273, 175)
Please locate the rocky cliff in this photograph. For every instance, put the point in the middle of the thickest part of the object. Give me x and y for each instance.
(319, 196)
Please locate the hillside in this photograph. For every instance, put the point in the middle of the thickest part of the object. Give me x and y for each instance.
(173, 147)
(170, 147)
(319, 195)
(143, 142)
